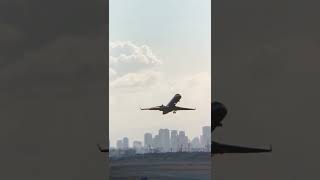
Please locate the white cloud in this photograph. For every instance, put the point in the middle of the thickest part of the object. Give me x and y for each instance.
(128, 52)
(136, 80)
(128, 61)
(112, 72)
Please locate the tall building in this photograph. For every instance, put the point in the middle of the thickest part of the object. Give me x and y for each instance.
(195, 143)
(174, 141)
(182, 133)
(148, 140)
(119, 144)
(125, 142)
(182, 141)
(169, 141)
(164, 135)
(206, 137)
(203, 141)
(206, 130)
(156, 142)
(137, 145)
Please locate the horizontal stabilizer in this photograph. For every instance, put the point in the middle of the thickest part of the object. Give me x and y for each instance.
(177, 108)
(153, 108)
(218, 148)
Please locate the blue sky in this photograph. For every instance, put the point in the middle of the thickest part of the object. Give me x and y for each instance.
(166, 48)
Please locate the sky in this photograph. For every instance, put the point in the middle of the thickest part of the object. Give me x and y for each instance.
(158, 49)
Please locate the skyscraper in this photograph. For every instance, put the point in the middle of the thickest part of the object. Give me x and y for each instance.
(174, 141)
(156, 142)
(182, 141)
(147, 140)
(195, 143)
(182, 133)
(119, 144)
(164, 135)
(125, 142)
(137, 145)
(206, 137)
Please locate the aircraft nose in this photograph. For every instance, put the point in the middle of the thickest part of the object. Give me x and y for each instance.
(218, 111)
(178, 95)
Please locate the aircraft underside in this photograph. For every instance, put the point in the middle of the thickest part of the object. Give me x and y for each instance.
(218, 112)
(170, 107)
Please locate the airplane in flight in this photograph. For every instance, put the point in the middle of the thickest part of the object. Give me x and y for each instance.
(218, 112)
(171, 106)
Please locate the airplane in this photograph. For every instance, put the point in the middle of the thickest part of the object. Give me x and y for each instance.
(171, 106)
(218, 113)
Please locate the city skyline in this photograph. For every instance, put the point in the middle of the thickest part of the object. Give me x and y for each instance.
(167, 140)
(113, 143)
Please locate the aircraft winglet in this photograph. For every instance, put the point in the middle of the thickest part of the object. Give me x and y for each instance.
(101, 149)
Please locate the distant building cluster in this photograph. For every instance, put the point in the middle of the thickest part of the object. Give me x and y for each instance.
(167, 141)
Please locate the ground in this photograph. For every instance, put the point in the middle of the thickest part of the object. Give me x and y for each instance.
(165, 166)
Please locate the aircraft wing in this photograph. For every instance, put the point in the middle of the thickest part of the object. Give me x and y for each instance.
(152, 108)
(177, 108)
(218, 148)
(102, 149)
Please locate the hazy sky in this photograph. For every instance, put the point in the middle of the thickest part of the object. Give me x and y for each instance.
(158, 49)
